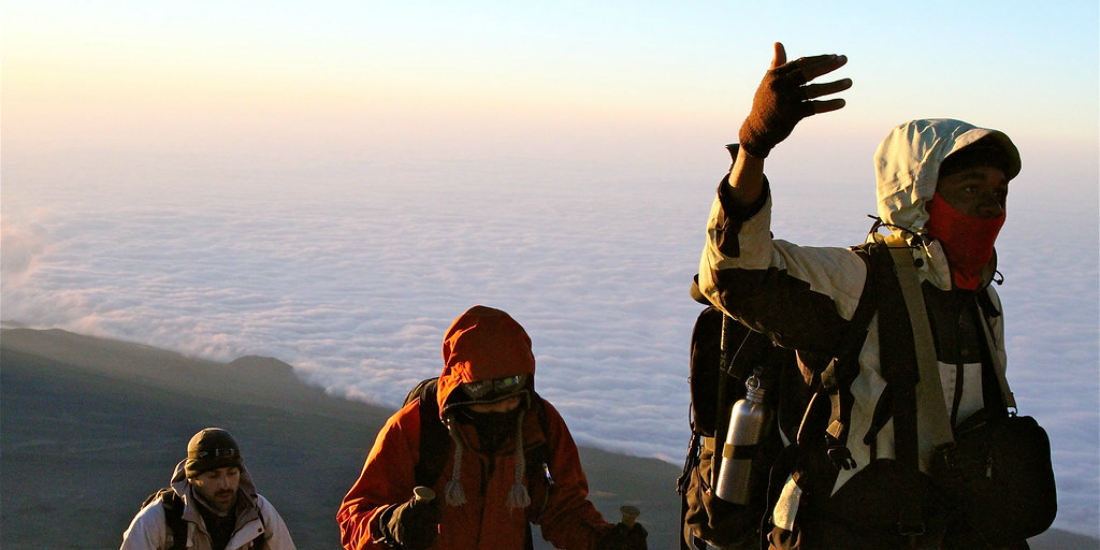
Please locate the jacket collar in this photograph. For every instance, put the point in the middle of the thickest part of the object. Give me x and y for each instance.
(247, 507)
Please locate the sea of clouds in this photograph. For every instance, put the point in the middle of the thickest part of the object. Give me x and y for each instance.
(352, 274)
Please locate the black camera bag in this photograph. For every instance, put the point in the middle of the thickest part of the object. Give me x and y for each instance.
(999, 474)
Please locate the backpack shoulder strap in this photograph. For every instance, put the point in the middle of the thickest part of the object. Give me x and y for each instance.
(434, 440)
(929, 394)
(908, 357)
(176, 527)
(877, 257)
(988, 311)
(844, 366)
(537, 460)
(258, 542)
(433, 435)
(540, 453)
(420, 388)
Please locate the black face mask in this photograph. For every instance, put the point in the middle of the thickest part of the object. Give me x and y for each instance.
(493, 428)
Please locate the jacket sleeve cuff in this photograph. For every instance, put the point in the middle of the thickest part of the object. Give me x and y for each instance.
(379, 527)
(733, 215)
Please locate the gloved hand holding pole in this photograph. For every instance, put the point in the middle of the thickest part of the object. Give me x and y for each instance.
(415, 524)
(627, 534)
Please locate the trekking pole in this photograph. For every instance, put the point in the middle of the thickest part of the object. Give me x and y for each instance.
(633, 535)
(722, 421)
(630, 515)
(423, 494)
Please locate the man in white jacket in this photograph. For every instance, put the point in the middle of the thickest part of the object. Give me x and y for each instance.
(211, 505)
(942, 188)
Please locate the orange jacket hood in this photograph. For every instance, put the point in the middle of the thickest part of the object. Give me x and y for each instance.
(482, 344)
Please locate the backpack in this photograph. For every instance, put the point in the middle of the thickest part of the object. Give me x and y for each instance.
(176, 527)
(434, 439)
(717, 380)
(805, 392)
(819, 451)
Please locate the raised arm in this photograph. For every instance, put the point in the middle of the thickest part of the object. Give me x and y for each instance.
(784, 97)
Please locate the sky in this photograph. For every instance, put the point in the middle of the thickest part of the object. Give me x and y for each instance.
(331, 185)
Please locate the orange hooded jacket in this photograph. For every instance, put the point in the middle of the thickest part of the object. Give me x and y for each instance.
(483, 343)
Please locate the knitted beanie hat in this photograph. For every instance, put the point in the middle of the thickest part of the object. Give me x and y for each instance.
(210, 449)
(984, 152)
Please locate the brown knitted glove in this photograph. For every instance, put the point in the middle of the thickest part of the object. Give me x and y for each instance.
(782, 100)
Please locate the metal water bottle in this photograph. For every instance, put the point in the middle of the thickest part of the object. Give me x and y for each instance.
(748, 421)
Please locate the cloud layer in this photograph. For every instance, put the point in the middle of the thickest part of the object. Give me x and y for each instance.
(352, 276)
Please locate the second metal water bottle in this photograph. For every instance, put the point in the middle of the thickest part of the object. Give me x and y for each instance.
(748, 421)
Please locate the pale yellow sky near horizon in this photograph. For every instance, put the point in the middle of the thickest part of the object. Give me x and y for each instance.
(657, 88)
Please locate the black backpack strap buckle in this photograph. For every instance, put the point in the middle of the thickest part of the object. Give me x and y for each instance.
(841, 457)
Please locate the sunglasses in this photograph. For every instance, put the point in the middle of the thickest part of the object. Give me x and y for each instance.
(216, 453)
(495, 386)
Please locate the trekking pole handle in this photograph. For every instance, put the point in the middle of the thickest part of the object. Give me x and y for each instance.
(422, 493)
(630, 514)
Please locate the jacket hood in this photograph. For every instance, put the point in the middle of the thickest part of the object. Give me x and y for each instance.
(908, 161)
(482, 344)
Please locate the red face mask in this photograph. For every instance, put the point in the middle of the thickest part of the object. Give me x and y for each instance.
(967, 241)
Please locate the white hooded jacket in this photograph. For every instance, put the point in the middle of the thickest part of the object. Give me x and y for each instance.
(149, 531)
(805, 297)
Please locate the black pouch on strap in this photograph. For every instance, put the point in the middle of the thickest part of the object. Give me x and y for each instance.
(1000, 476)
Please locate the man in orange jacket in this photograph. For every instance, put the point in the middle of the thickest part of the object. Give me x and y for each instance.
(489, 494)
